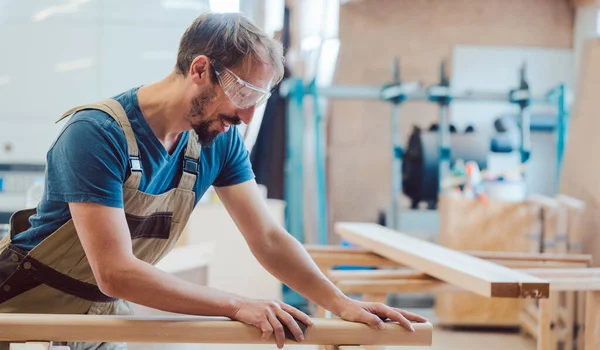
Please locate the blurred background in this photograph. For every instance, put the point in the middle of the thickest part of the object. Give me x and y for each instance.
(396, 112)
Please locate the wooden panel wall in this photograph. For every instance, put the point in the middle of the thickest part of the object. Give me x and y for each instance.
(421, 33)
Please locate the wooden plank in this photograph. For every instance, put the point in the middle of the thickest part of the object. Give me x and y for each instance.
(528, 324)
(437, 286)
(580, 317)
(592, 321)
(403, 274)
(351, 258)
(207, 330)
(395, 286)
(550, 222)
(575, 211)
(525, 256)
(561, 273)
(474, 274)
(565, 273)
(543, 327)
(338, 255)
(569, 320)
(359, 281)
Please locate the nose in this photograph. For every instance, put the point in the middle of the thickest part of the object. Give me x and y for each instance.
(246, 115)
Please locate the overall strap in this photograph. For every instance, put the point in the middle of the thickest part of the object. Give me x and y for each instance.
(191, 163)
(114, 109)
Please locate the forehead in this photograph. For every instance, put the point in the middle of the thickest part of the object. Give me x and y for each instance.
(255, 73)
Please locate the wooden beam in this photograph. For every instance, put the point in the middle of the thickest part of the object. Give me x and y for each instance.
(403, 274)
(338, 255)
(352, 259)
(207, 330)
(396, 286)
(474, 274)
(406, 281)
(587, 273)
(592, 321)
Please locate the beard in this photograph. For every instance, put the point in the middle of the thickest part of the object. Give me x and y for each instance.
(205, 135)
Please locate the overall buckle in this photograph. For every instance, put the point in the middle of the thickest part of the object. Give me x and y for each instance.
(191, 165)
(135, 163)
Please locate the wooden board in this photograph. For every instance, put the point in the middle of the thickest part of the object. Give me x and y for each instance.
(474, 274)
(579, 173)
(496, 229)
(592, 321)
(339, 255)
(24, 327)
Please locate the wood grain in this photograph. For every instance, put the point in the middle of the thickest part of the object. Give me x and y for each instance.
(592, 321)
(474, 274)
(24, 327)
(338, 255)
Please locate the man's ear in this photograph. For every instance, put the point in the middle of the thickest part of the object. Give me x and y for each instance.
(200, 70)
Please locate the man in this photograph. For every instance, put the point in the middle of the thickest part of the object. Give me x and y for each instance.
(123, 177)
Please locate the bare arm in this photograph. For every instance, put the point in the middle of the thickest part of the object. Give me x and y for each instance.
(105, 237)
(278, 251)
(286, 259)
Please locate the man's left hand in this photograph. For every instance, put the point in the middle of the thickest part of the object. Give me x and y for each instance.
(374, 314)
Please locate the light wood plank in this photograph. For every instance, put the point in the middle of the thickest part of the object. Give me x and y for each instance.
(544, 339)
(569, 320)
(92, 328)
(592, 321)
(580, 329)
(395, 286)
(474, 274)
(590, 273)
(339, 255)
(528, 324)
(403, 274)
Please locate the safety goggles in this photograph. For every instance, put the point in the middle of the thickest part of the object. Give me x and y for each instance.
(241, 93)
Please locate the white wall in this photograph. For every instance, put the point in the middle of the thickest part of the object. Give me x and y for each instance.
(497, 69)
(586, 27)
(60, 53)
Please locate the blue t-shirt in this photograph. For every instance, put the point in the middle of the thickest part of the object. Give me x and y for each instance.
(88, 162)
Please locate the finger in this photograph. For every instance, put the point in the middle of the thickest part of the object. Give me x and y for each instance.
(371, 319)
(277, 330)
(394, 315)
(267, 330)
(411, 316)
(297, 314)
(291, 324)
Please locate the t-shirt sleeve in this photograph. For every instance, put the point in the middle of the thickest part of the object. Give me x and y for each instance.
(237, 167)
(87, 162)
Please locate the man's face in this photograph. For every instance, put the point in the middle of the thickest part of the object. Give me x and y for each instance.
(212, 112)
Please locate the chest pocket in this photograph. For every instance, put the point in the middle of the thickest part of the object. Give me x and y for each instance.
(156, 225)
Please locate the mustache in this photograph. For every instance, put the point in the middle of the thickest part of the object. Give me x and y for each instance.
(233, 120)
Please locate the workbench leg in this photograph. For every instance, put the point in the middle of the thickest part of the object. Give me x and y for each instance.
(544, 323)
(580, 321)
(554, 320)
(592, 320)
(570, 320)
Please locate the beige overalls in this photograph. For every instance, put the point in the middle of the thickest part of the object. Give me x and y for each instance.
(55, 277)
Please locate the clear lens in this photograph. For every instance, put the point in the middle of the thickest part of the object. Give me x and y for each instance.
(239, 93)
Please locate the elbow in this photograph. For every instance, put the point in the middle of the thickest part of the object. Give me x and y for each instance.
(110, 280)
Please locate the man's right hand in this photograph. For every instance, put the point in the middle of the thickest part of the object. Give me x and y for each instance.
(271, 317)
